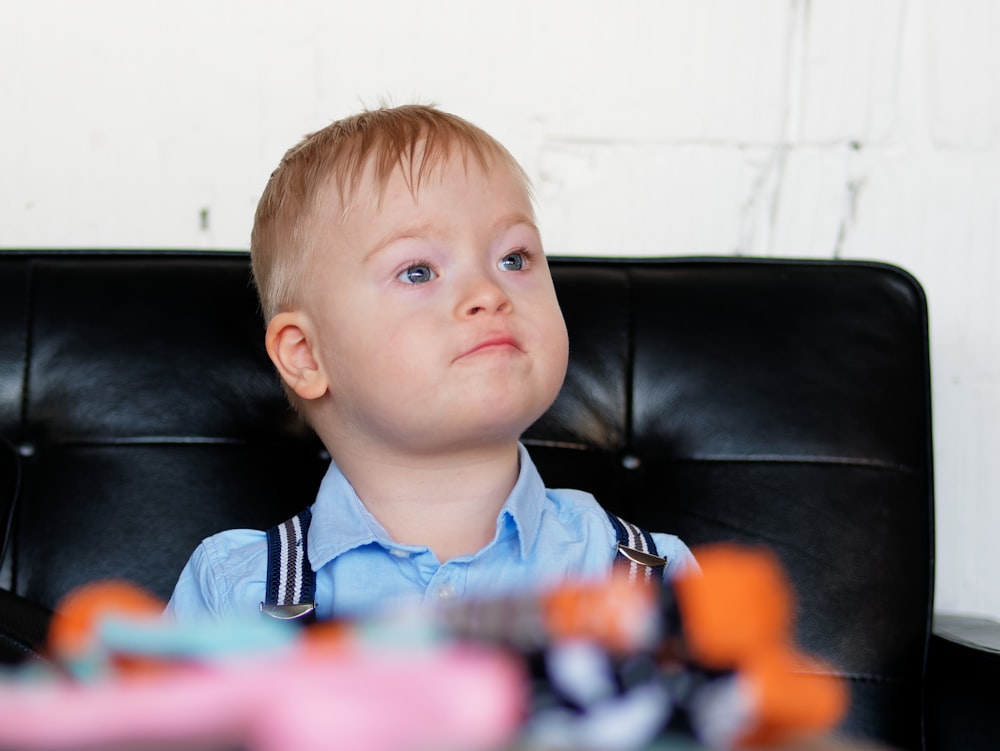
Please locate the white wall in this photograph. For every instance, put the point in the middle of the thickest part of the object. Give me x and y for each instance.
(817, 128)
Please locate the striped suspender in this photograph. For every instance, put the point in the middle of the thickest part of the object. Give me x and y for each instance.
(291, 582)
(636, 550)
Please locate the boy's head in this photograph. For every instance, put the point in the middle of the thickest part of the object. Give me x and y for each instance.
(328, 167)
(408, 299)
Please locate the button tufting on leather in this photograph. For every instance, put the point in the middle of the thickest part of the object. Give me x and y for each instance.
(630, 461)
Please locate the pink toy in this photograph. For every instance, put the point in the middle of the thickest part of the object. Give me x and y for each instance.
(305, 698)
(143, 682)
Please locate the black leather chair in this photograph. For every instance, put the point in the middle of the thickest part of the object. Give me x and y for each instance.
(782, 403)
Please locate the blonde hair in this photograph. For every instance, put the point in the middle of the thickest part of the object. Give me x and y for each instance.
(386, 139)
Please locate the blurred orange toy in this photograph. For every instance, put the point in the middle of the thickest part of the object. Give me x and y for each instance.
(74, 634)
(737, 618)
(714, 648)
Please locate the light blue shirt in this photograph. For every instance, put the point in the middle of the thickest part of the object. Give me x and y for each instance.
(542, 536)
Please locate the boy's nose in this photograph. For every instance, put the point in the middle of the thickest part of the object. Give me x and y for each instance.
(484, 296)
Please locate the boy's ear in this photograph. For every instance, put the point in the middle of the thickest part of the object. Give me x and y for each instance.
(290, 345)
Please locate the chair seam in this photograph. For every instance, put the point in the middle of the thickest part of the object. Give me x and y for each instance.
(28, 344)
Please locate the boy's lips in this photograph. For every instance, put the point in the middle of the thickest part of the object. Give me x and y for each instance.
(501, 341)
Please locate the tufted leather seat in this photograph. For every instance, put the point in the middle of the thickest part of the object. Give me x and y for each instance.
(783, 403)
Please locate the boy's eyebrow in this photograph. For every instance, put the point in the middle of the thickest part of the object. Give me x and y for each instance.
(419, 231)
(509, 220)
(415, 232)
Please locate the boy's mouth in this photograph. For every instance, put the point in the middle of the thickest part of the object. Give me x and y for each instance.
(499, 342)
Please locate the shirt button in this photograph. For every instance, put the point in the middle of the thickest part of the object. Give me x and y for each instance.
(445, 592)
(399, 553)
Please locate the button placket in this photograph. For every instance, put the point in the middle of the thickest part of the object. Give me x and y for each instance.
(446, 591)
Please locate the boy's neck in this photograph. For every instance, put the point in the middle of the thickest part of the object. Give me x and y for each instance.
(447, 502)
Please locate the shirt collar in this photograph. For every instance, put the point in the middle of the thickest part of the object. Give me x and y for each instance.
(341, 522)
(525, 503)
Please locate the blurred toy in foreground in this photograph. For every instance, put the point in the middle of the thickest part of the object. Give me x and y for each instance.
(587, 665)
(738, 620)
(722, 664)
(138, 681)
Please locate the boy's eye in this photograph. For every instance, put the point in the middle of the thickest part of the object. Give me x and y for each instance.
(417, 274)
(513, 262)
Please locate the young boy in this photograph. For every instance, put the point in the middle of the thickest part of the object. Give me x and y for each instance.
(412, 318)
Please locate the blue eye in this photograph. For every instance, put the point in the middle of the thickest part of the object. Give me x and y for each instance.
(514, 262)
(418, 273)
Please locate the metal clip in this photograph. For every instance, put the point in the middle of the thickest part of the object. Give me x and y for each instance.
(641, 558)
(288, 612)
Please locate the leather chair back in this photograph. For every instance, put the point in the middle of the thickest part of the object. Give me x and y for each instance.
(782, 403)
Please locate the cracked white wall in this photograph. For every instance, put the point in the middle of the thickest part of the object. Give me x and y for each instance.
(805, 128)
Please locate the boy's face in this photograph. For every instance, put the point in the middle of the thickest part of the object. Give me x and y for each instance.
(433, 318)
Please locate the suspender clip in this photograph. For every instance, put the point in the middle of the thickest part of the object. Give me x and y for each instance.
(641, 557)
(294, 612)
